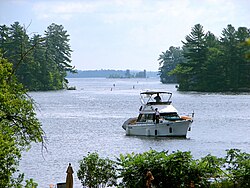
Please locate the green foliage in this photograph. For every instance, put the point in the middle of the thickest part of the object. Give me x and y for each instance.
(30, 184)
(9, 158)
(175, 170)
(96, 172)
(57, 55)
(211, 64)
(39, 63)
(168, 61)
(18, 125)
(133, 168)
(195, 51)
(17, 114)
(247, 44)
(237, 165)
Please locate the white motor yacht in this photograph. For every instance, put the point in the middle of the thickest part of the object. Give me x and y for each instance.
(158, 117)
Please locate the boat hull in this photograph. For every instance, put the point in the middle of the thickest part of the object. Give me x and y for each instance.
(162, 129)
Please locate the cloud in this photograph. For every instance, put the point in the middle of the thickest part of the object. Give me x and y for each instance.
(64, 10)
(115, 11)
(139, 26)
(144, 20)
(111, 11)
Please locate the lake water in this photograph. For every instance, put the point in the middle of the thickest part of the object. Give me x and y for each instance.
(89, 119)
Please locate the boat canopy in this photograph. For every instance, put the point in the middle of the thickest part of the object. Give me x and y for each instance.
(155, 97)
(155, 92)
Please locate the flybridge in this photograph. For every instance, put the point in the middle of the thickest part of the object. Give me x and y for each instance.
(155, 97)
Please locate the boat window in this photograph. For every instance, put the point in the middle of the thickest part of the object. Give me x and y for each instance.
(145, 117)
(170, 116)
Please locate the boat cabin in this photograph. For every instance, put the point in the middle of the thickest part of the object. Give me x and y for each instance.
(150, 117)
(150, 101)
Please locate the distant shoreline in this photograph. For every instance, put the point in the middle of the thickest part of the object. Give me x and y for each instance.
(113, 74)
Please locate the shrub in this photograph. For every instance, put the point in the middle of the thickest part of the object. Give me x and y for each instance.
(175, 170)
(237, 166)
(96, 172)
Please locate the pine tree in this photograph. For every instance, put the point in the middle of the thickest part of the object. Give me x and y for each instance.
(39, 63)
(58, 54)
(19, 53)
(4, 38)
(40, 70)
(214, 73)
(168, 62)
(230, 57)
(211, 64)
(195, 51)
(242, 35)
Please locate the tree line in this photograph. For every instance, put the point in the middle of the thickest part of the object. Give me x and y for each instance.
(39, 62)
(209, 63)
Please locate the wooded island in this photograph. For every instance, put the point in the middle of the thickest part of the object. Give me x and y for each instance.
(39, 62)
(208, 63)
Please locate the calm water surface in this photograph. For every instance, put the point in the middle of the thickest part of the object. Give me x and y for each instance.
(89, 119)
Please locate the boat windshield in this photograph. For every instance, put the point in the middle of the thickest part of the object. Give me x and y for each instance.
(155, 97)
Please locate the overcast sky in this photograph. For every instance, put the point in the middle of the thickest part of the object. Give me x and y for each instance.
(124, 34)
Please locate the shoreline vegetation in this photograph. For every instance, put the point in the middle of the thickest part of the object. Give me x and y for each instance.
(205, 62)
(208, 63)
(177, 169)
(40, 62)
(110, 73)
